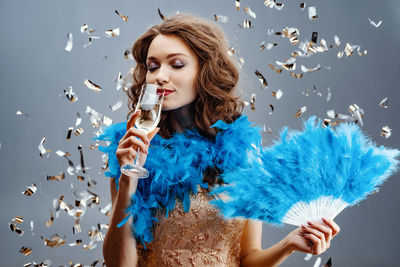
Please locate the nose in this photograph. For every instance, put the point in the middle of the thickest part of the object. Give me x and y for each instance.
(162, 76)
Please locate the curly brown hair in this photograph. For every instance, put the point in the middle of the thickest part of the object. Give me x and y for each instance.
(217, 77)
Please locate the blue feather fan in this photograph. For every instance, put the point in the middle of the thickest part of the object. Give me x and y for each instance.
(307, 175)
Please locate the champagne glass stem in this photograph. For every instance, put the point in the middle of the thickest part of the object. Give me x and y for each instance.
(137, 157)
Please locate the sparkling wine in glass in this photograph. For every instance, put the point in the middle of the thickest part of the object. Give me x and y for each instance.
(150, 104)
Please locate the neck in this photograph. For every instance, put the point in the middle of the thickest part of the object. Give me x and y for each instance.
(181, 118)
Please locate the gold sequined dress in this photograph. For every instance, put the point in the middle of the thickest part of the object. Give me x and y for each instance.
(200, 237)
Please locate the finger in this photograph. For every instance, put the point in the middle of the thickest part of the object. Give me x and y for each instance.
(335, 228)
(132, 120)
(153, 133)
(316, 248)
(324, 229)
(318, 234)
(135, 132)
(132, 141)
(126, 153)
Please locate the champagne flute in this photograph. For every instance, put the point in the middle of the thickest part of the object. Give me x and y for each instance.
(149, 104)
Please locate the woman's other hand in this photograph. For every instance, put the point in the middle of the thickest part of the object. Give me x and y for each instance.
(131, 141)
(314, 238)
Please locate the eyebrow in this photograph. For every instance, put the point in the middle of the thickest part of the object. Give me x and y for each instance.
(168, 56)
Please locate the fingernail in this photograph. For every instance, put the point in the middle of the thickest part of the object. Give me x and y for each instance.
(310, 223)
(304, 227)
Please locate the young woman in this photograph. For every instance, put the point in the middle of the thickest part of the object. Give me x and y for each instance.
(187, 56)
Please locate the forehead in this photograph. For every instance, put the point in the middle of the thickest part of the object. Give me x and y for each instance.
(163, 45)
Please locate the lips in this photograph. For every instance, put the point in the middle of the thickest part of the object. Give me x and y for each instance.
(167, 91)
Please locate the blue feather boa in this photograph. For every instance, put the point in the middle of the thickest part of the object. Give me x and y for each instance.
(262, 183)
(176, 167)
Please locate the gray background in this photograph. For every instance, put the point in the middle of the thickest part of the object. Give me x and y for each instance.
(35, 69)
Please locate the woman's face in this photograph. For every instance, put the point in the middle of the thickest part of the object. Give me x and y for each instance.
(172, 65)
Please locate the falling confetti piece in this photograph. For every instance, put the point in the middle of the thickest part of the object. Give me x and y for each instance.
(85, 28)
(253, 101)
(31, 190)
(300, 111)
(267, 130)
(70, 95)
(77, 242)
(267, 46)
(246, 24)
(59, 177)
(290, 64)
(91, 85)
(160, 14)
(19, 112)
(312, 13)
(26, 251)
(305, 69)
(272, 4)
(317, 262)
(328, 263)
(68, 47)
(54, 241)
(70, 129)
(363, 53)
(314, 37)
(308, 257)
(356, 113)
(278, 94)
(116, 106)
(237, 5)
(296, 75)
(272, 109)
(119, 81)
(112, 33)
(90, 40)
(51, 220)
(43, 152)
(331, 113)
(384, 103)
(18, 219)
(125, 18)
(249, 12)
(78, 131)
(106, 210)
(14, 228)
(277, 70)
(386, 132)
(261, 78)
(302, 6)
(292, 34)
(82, 160)
(376, 25)
(221, 18)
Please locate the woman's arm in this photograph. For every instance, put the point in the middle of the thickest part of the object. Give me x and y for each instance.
(119, 248)
(314, 238)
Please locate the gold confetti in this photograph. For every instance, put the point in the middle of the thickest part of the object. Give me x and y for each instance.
(312, 13)
(26, 251)
(314, 37)
(272, 4)
(249, 12)
(237, 5)
(278, 94)
(386, 132)
(77, 227)
(95, 117)
(221, 18)
(15, 229)
(95, 146)
(92, 85)
(363, 53)
(348, 49)
(54, 241)
(290, 64)
(267, 46)
(112, 33)
(302, 6)
(90, 41)
(59, 177)
(69, 45)
(77, 242)
(253, 101)
(261, 78)
(78, 131)
(161, 15)
(384, 102)
(51, 220)
(241, 62)
(70, 95)
(106, 210)
(31, 190)
(246, 24)
(300, 111)
(80, 178)
(43, 152)
(376, 25)
(331, 113)
(292, 34)
(329, 95)
(125, 18)
(277, 70)
(296, 75)
(85, 28)
(231, 51)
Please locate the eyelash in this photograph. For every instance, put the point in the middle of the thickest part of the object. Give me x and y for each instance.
(174, 66)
